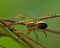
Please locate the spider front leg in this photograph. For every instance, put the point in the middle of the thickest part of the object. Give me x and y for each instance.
(49, 16)
(18, 16)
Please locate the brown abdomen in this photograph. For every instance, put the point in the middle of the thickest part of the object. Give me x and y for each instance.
(42, 25)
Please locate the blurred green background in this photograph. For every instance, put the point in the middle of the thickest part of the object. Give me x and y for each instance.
(9, 8)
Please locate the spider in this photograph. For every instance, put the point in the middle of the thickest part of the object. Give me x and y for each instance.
(36, 24)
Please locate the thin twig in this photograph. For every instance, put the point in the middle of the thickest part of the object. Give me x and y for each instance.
(14, 30)
(18, 34)
(2, 34)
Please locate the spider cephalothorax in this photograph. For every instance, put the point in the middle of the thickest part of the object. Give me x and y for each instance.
(31, 26)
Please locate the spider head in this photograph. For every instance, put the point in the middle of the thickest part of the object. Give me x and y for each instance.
(41, 25)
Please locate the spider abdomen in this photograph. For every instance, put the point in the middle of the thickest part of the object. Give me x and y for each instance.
(42, 25)
(30, 25)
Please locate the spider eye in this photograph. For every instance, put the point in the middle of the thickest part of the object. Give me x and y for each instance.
(42, 25)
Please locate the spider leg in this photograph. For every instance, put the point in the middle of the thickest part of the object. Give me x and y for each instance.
(36, 35)
(49, 16)
(43, 32)
(34, 19)
(53, 31)
(34, 16)
(18, 16)
(27, 31)
(11, 19)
